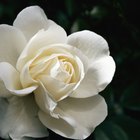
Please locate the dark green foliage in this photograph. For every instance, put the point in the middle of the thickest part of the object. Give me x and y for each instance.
(118, 22)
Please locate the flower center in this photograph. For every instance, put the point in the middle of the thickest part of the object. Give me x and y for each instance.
(56, 68)
(62, 67)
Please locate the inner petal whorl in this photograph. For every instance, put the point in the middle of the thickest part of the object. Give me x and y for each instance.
(57, 62)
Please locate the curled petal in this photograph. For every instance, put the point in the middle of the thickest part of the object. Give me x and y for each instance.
(57, 89)
(91, 44)
(103, 70)
(11, 79)
(59, 126)
(78, 117)
(12, 42)
(25, 77)
(44, 101)
(54, 34)
(98, 76)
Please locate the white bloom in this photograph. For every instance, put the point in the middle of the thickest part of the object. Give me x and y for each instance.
(51, 79)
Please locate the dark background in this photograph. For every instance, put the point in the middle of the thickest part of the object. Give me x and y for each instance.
(118, 22)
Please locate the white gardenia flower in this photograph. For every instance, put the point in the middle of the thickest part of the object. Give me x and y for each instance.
(51, 80)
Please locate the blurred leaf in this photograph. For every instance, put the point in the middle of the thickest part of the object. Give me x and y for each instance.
(70, 7)
(62, 19)
(110, 131)
(131, 97)
(99, 12)
(100, 135)
(108, 94)
(130, 126)
(123, 55)
(75, 27)
(80, 24)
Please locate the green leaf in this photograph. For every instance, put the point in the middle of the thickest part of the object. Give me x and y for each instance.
(99, 12)
(110, 131)
(70, 6)
(108, 95)
(62, 19)
(129, 125)
(131, 98)
(79, 24)
(101, 135)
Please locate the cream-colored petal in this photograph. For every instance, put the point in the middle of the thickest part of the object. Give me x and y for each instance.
(66, 53)
(94, 109)
(30, 20)
(59, 126)
(19, 118)
(24, 91)
(11, 79)
(85, 113)
(44, 101)
(12, 42)
(79, 55)
(91, 44)
(56, 89)
(82, 61)
(87, 87)
(103, 70)
(98, 76)
(54, 34)
(25, 76)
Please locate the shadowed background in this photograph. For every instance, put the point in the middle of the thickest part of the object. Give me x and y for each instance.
(118, 22)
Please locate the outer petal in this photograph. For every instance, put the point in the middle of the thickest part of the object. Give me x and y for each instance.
(98, 76)
(85, 113)
(30, 20)
(54, 34)
(11, 79)
(91, 44)
(19, 119)
(12, 42)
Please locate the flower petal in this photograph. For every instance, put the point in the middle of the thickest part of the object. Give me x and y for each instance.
(104, 70)
(56, 89)
(12, 42)
(30, 20)
(85, 113)
(91, 44)
(10, 77)
(44, 101)
(19, 119)
(25, 76)
(54, 34)
(98, 76)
